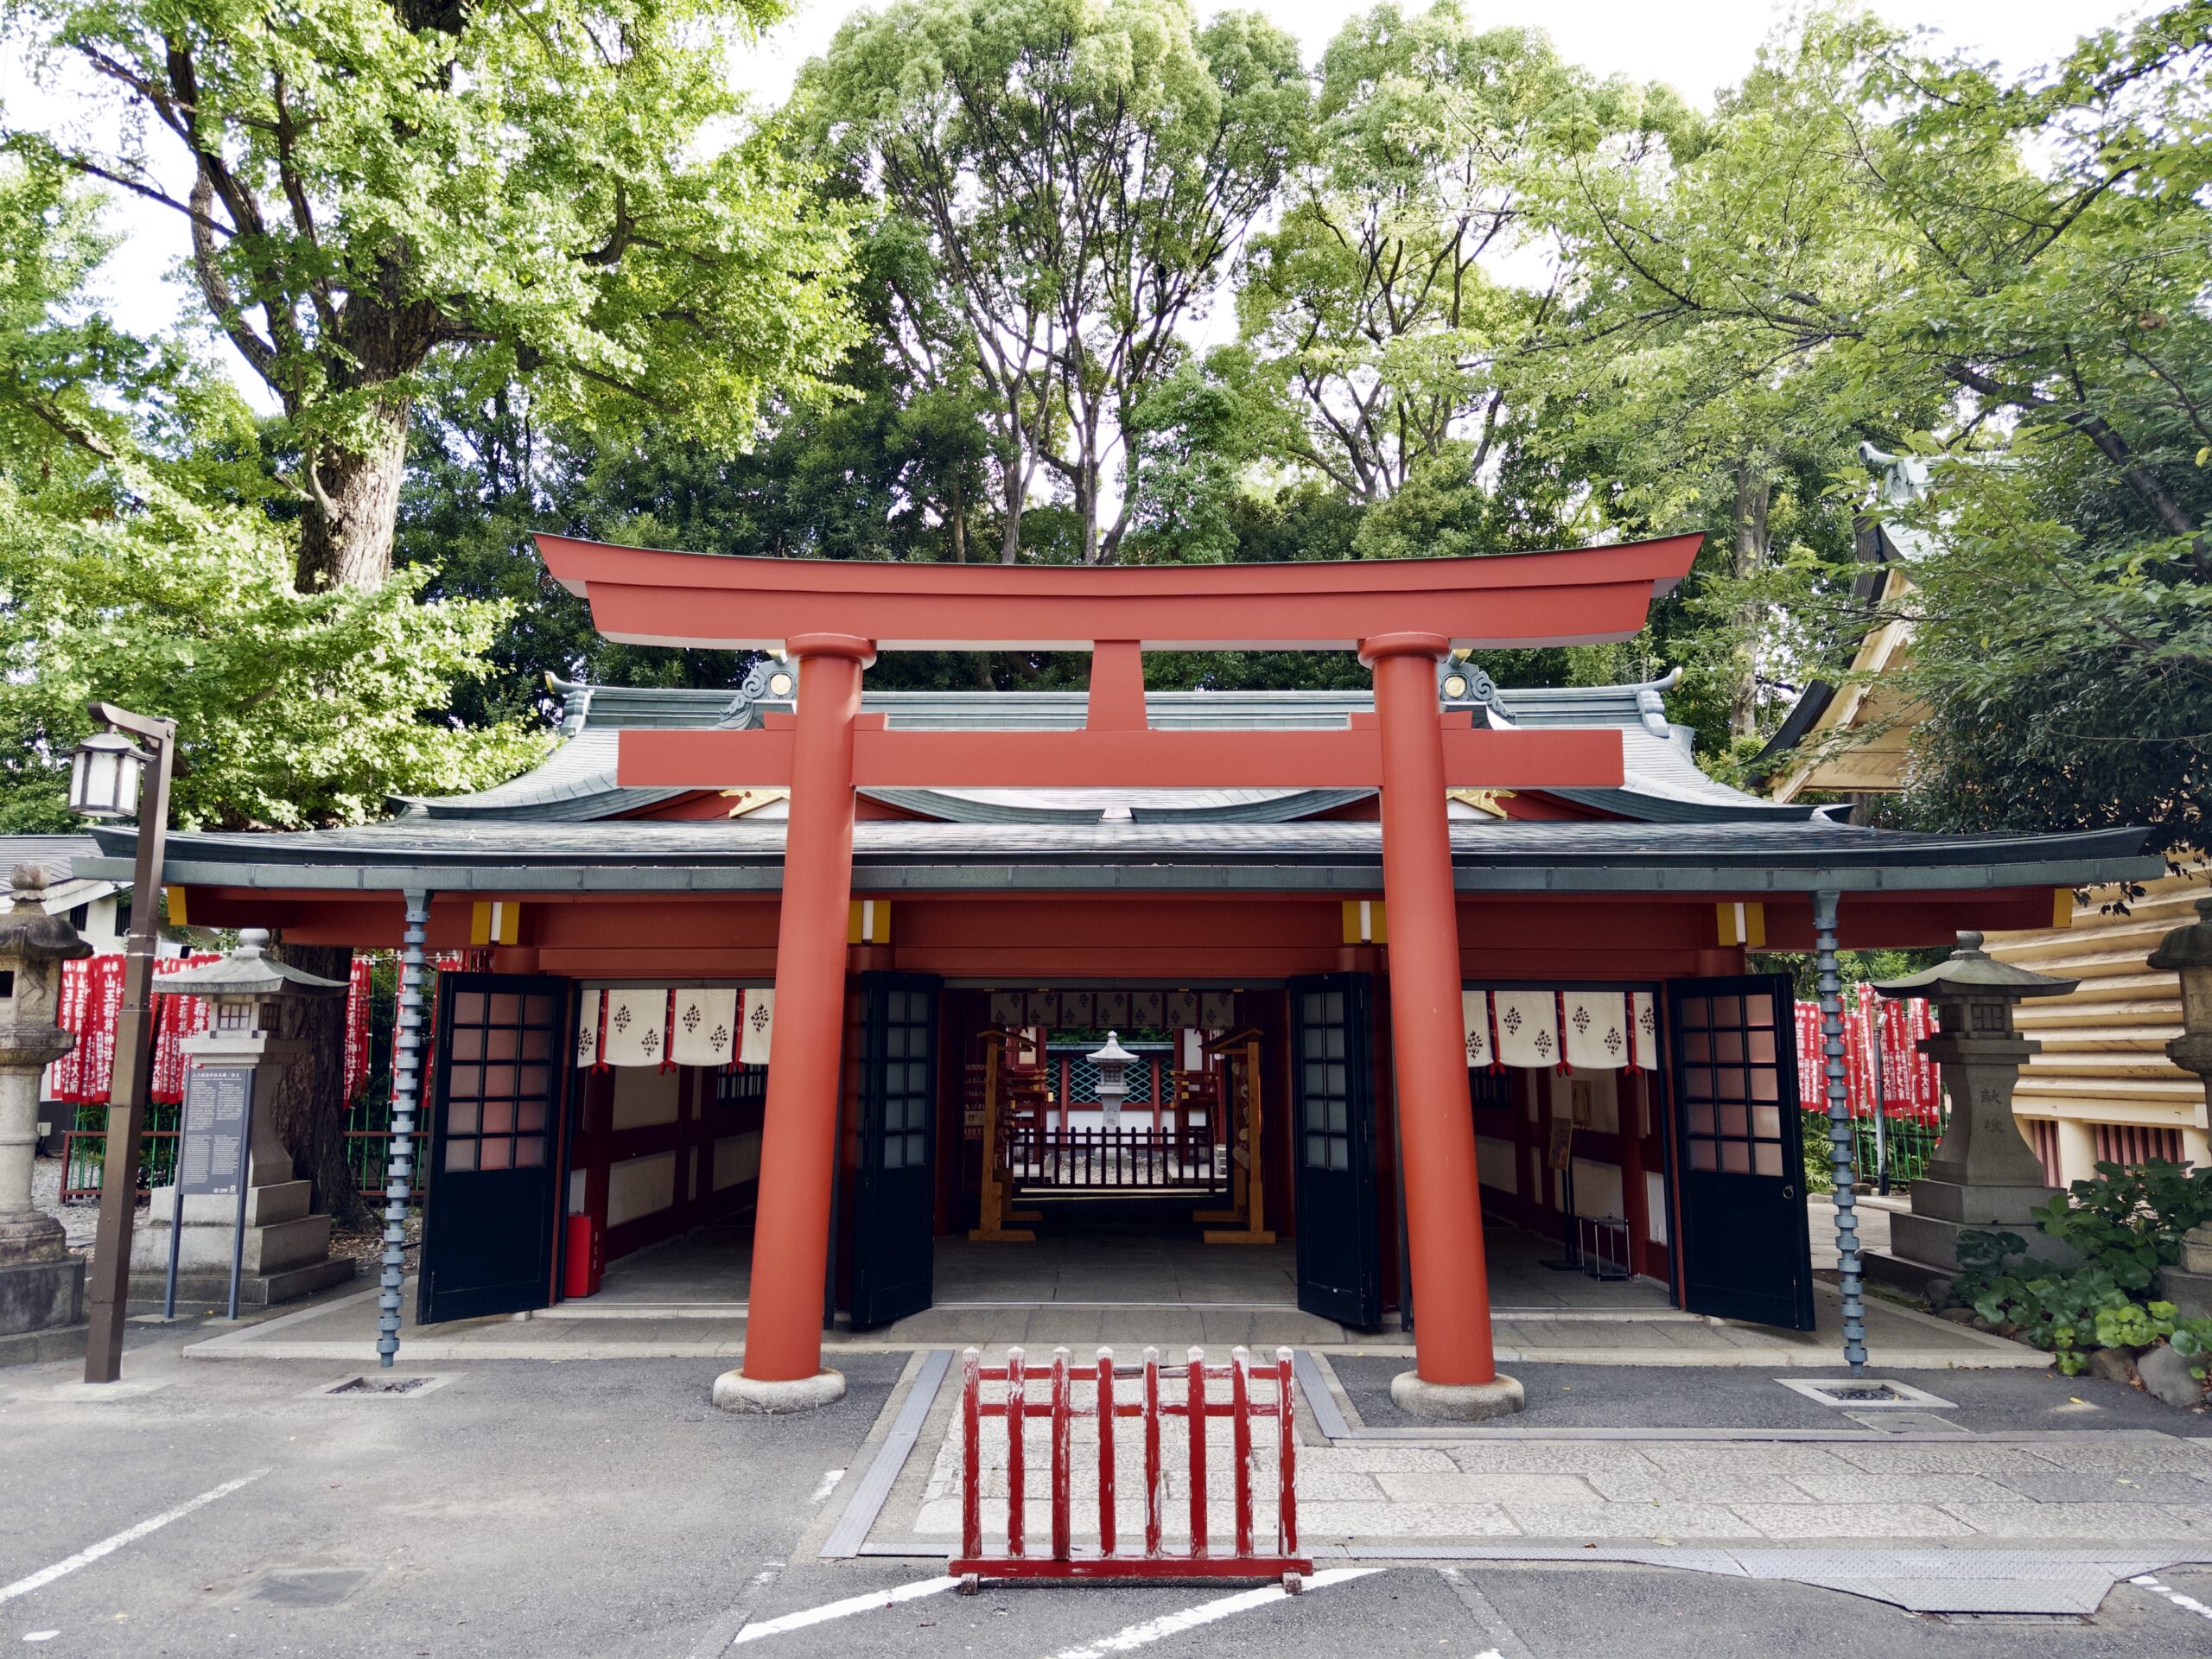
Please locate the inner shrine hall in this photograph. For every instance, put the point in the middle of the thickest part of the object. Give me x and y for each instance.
(1358, 981)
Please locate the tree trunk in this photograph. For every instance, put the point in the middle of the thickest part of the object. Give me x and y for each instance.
(352, 507)
(1010, 533)
(310, 1100)
(1754, 493)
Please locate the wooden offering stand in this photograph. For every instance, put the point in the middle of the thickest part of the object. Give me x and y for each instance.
(1240, 1054)
(1013, 1097)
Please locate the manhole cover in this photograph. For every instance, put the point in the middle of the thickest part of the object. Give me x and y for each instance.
(312, 1587)
(382, 1387)
(1864, 1393)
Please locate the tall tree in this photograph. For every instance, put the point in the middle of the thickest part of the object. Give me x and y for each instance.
(550, 187)
(139, 564)
(1079, 174)
(1692, 369)
(1374, 316)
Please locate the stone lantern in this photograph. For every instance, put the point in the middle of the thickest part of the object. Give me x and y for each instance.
(1112, 1063)
(1983, 1176)
(2188, 952)
(42, 1285)
(287, 1251)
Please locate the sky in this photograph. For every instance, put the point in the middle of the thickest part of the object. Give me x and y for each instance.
(1695, 47)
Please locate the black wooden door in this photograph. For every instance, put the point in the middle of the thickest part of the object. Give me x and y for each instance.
(489, 1215)
(1334, 1102)
(1746, 1253)
(894, 1196)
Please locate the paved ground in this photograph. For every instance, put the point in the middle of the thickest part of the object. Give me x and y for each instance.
(686, 1299)
(556, 1509)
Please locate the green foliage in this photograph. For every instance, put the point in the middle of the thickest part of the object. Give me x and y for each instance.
(137, 565)
(1069, 179)
(564, 189)
(2129, 1219)
(2192, 1340)
(2127, 1224)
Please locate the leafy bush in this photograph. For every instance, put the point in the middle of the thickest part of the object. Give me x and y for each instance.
(2192, 1340)
(2135, 1215)
(2127, 1224)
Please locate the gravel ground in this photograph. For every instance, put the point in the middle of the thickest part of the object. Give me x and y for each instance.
(79, 1220)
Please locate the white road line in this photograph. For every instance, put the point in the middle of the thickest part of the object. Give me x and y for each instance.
(830, 1480)
(2174, 1596)
(91, 1553)
(1206, 1612)
(823, 1614)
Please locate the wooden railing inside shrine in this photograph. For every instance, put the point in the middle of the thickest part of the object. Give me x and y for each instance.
(1044, 1158)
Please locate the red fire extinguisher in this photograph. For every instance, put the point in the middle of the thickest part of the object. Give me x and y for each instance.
(586, 1254)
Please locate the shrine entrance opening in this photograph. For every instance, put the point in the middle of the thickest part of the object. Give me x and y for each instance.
(1117, 1145)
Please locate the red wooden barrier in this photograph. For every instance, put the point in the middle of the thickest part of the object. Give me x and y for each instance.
(1104, 1403)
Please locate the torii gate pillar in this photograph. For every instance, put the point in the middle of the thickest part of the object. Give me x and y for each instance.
(783, 1369)
(1455, 1373)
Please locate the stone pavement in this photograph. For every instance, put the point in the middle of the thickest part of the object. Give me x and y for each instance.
(1441, 1490)
(686, 1299)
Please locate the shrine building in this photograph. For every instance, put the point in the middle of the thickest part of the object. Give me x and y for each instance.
(835, 967)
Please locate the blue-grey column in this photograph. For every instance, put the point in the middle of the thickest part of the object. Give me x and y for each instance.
(406, 1091)
(1838, 1104)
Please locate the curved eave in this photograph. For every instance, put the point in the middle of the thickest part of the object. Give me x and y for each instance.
(1133, 859)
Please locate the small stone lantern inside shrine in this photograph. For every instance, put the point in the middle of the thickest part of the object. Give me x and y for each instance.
(42, 1285)
(287, 1250)
(1983, 1176)
(1112, 1063)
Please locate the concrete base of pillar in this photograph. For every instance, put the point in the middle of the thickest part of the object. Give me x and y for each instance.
(1933, 1242)
(1456, 1403)
(287, 1252)
(2190, 1293)
(211, 1287)
(736, 1391)
(37, 1299)
(42, 1347)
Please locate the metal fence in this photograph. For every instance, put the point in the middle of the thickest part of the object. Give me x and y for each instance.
(1894, 1154)
(84, 1150)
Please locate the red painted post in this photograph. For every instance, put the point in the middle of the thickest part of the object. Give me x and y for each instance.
(1194, 1406)
(1154, 1063)
(1067, 1086)
(1285, 1457)
(1105, 1450)
(1240, 1434)
(1063, 1410)
(799, 1144)
(1016, 1487)
(1443, 1228)
(1152, 1492)
(971, 1455)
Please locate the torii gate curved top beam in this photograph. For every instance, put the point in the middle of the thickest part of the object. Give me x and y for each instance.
(1585, 597)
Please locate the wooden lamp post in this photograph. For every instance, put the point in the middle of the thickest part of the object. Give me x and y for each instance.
(111, 777)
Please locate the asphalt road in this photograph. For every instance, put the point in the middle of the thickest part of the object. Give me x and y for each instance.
(598, 1508)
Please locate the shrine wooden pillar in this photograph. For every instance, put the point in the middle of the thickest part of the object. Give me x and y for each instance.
(1455, 1373)
(783, 1367)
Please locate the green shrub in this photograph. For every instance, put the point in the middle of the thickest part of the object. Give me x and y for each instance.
(2127, 1224)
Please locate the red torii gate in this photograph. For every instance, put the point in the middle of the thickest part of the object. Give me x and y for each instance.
(832, 617)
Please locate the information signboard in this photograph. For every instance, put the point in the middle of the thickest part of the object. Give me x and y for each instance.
(211, 1159)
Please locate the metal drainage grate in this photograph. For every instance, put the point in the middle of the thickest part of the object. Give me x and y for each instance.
(1864, 1393)
(381, 1388)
